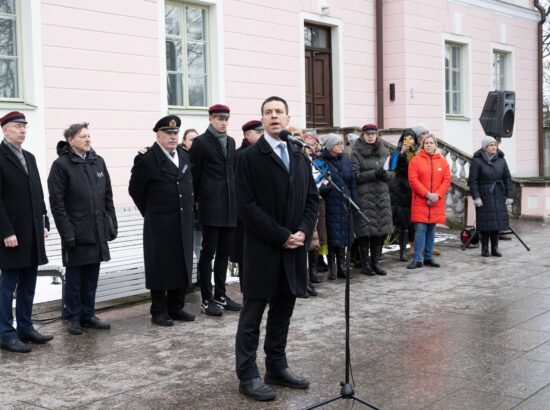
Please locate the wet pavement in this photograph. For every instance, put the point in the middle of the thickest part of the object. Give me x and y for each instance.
(474, 334)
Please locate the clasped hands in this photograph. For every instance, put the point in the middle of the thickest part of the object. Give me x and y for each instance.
(432, 198)
(295, 240)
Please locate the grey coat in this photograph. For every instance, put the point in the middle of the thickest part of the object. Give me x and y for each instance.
(372, 193)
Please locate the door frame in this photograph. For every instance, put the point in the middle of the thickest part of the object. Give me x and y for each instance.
(337, 46)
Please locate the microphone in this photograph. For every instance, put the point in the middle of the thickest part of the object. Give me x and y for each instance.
(284, 135)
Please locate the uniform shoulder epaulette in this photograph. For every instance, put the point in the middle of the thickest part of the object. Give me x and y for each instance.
(144, 150)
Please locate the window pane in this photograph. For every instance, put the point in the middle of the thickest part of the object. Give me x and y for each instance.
(7, 37)
(197, 90)
(456, 103)
(172, 18)
(457, 57)
(175, 90)
(8, 79)
(320, 37)
(173, 55)
(196, 62)
(195, 24)
(7, 6)
(448, 102)
(307, 37)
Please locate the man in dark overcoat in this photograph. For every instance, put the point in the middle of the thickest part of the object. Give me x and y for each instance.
(81, 200)
(213, 157)
(162, 188)
(24, 225)
(278, 204)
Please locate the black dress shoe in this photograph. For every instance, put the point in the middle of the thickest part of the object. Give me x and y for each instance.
(95, 323)
(256, 389)
(15, 345)
(496, 252)
(162, 320)
(286, 378)
(74, 327)
(414, 265)
(182, 316)
(311, 291)
(432, 263)
(35, 337)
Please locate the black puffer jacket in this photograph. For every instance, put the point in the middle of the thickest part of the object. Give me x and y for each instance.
(491, 181)
(81, 200)
(373, 193)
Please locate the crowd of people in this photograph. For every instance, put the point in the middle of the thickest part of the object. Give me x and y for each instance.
(270, 206)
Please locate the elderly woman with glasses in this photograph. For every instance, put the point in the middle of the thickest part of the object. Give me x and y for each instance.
(338, 218)
(492, 190)
(368, 159)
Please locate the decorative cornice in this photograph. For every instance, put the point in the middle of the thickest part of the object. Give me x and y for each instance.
(501, 7)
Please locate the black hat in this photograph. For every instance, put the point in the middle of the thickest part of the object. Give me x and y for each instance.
(168, 123)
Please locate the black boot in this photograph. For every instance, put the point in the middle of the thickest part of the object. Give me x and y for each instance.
(341, 262)
(321, 264)
(366, 269)
(494, 245)
(312, 257)
(375, 254)
(356, 260)
(403, 237)
(331, 264)
(484, 244)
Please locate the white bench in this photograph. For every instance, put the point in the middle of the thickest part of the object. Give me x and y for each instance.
(124, 274)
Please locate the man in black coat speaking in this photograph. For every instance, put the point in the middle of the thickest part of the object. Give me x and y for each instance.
(162, 189)
(23, 227)
(278, 204)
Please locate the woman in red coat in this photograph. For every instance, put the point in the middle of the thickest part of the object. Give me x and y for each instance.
(430, 178)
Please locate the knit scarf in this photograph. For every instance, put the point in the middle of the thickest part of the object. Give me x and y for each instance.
(221, 137)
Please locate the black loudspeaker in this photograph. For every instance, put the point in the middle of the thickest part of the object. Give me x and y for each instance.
(497, 117)
(392, 91)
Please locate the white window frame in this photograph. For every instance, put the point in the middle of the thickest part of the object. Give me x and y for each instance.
(20, 97)
(208, 60)
(460, 68)
(508, 74)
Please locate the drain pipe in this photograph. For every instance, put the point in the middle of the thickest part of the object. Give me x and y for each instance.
(539, 86)
(379, 67)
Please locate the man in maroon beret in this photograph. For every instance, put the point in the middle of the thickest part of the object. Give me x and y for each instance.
(24, 225)
(252, 131)
(213, 158)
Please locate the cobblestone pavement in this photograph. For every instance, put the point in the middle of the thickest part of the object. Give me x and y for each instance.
(474, 334)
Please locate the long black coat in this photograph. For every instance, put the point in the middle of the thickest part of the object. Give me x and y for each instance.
(492, 182)
(273, 204)
(164, 196)
(214, 180)
(22, 211)
(373, 193)
(81, 200)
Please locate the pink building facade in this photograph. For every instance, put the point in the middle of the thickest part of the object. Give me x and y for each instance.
(120, 65)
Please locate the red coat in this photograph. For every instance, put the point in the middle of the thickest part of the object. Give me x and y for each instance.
(428, 173)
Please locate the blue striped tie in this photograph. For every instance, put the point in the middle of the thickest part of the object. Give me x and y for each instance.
(284, 155)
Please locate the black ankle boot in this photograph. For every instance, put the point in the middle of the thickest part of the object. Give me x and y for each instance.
(494, 245)
(340, 262)
(312, 267)
(484, 237)
(366, 268)
(403, 237)
(331, 264)
(375, 254)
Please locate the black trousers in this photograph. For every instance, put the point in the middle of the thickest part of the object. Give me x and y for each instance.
(80, 289)
(167, 301)
(248, 334)
(215, 241)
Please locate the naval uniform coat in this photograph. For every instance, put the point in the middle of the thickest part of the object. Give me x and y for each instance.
(273, 203)
(22, 211)
(164, 196)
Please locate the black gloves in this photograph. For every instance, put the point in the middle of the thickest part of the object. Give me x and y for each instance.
(380, 173)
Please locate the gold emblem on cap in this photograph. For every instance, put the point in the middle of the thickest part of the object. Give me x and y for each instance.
(172, 124)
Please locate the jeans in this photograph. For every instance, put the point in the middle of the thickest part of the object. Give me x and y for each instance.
(25, 282)
(424, 237)
(80, 289)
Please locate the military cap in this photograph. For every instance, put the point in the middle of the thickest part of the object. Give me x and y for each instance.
(168, 123)
(219, 109)
(253, 125)
(369, 127)
(14, 116)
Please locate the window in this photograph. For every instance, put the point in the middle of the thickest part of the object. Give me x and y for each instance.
(10, 66)
(454, 82)
(186, 55)
(500, 66)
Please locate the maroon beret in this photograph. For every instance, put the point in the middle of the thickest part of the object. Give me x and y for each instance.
(219, 109)
(14, 116)
(369, 127)
(253, 125)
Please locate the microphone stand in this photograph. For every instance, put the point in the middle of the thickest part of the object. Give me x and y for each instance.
(347, 391)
